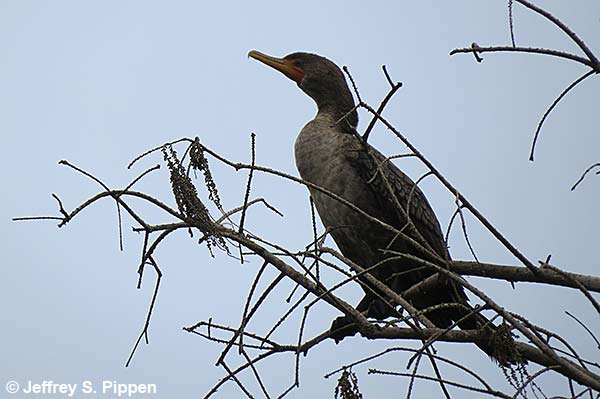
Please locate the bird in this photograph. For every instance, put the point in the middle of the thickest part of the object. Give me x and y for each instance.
(330, 153)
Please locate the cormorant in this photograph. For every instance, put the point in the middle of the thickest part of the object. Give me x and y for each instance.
(330, 154)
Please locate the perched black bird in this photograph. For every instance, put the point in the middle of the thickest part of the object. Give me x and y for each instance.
(330, 154)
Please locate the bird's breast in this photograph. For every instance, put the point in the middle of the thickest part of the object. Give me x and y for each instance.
(323, 155)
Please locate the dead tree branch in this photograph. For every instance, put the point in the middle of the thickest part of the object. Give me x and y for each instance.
(590, 60)
(318, 272)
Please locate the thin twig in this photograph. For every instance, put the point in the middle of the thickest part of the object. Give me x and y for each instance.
(245, 317)
(554, 104)
(584, 174)
(585, 327)
(463, 225)
(233, 376)
(251, 313)
(26, 218)
(581, 287)
(249, 183)
(567, 368)
(438, 374)
(394, 88)
(61, 209)
(447, 361)
(256, 373)
(534, 50)
(451, 383)
(511, 248)
(287, 313)
(144, 333)
(510, 23)
(475, 48)
(530, 380)
(143, 262)
(150, 151)
(565, 29)
(83, 172)
(345, 68)
(141, 176)
(313, 221)
(238, 166)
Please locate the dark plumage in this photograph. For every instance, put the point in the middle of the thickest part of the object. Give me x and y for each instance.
(333, 156)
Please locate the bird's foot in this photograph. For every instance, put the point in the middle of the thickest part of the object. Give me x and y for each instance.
(341, 328)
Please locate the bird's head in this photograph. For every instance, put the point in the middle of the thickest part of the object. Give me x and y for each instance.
(318, 77)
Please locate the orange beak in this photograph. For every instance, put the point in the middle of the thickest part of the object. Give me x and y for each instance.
(284, 66)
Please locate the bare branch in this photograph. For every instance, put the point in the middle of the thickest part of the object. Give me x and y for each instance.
(585, 327)
(452, 383)
(144, 333)
(249, 183)
(519, 273)
(394, 88)
(510, 23)
(319, 276)
(554, 104)
(565, 29)
(533, 50)
(588, 170)
(581, 287)
(512, 249)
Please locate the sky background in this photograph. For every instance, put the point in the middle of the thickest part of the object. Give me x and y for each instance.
(98, 83)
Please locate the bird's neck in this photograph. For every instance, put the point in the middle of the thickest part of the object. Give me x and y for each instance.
(343, 113)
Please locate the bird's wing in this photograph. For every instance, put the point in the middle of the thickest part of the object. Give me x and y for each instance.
(376, 169)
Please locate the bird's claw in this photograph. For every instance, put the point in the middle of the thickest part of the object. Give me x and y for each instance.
(341, 328)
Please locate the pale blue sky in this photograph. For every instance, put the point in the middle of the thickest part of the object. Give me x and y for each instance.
(99, 82)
